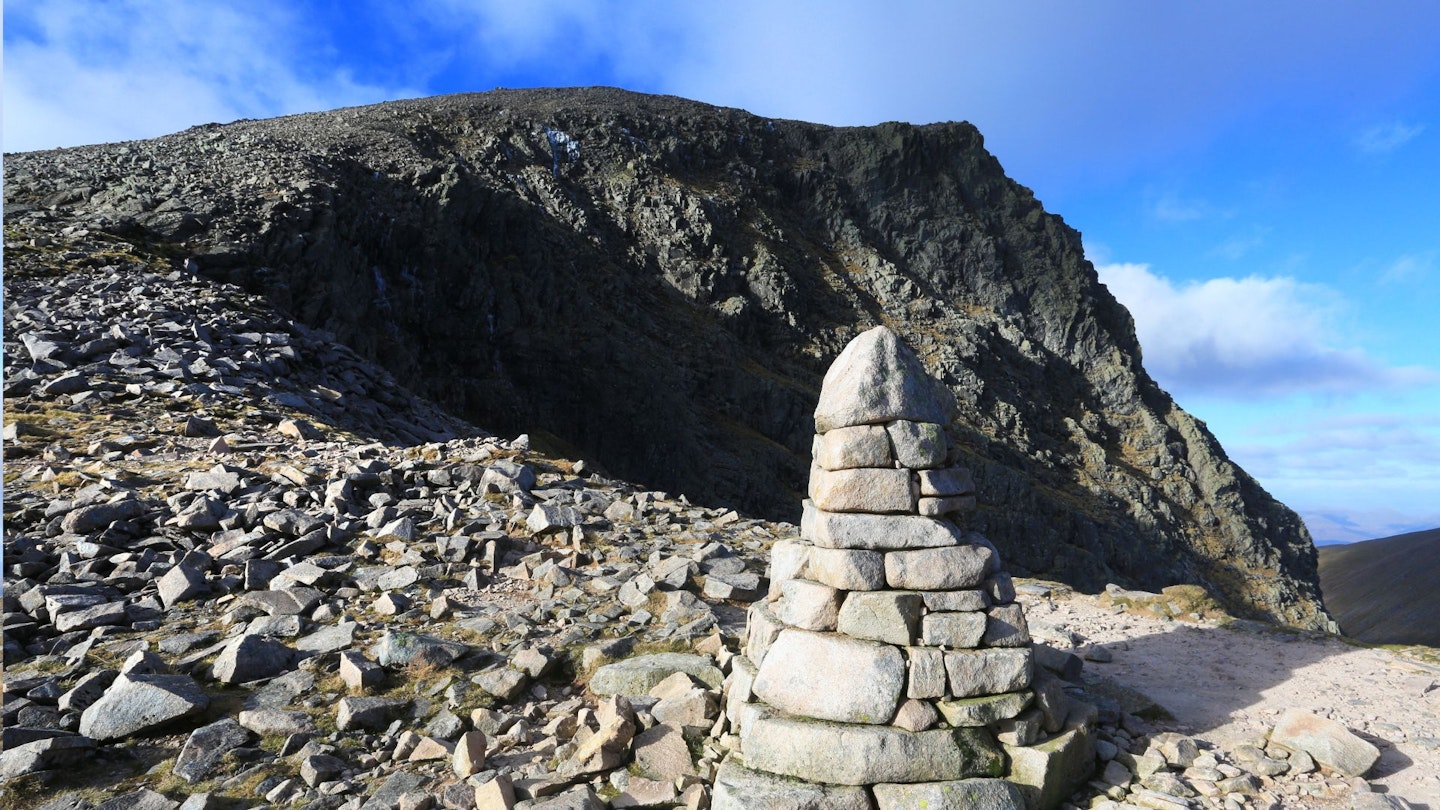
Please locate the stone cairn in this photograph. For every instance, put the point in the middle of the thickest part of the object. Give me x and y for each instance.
(889, 666)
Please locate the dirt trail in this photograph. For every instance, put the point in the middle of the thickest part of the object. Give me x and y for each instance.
(1227, 683)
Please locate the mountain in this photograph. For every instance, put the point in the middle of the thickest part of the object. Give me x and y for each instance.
(1383, 591)
(658, 285)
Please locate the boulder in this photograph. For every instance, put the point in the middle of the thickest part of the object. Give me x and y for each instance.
(831, 677)
(136, 703)
(1326, 741)
(638, 675)
(877, 379)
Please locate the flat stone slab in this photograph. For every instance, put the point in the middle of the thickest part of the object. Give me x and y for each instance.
(847, 448)
(984, 710)
(965, 794)
(889, 616)
(867, 489)
(740, 788)
(938, 569)
(135, 703)
(850, 754)
(831, 677)
(988, 672)
(1328, 742)
(828, 529)
(638, 675)
(878, 379)
(952, 630)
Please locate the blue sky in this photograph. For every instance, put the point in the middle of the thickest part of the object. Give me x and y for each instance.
(1259, 183)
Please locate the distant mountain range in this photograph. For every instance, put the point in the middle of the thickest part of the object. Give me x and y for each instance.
(1331, 527)
(1384, 591)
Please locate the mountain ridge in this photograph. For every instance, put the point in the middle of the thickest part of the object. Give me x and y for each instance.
(660, 283)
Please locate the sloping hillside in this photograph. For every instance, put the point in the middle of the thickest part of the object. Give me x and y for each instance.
(1385, 591)
(658, 285)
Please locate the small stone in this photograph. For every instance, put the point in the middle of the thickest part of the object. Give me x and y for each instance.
(358, 672)
(1006, 627)
(966, 794)
(206, 748)
(984, 710)
(885, 616)
(366, 712)
(845, 569)
(251, 658)
(740, 788)
(808, 605)
(946, 483)
(952, 630)
(927, 673)
(916, 715)
(638, 675)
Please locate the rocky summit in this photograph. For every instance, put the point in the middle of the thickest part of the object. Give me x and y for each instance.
(658, 286)
(245, 566)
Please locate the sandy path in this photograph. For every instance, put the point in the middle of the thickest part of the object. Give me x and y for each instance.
(1227, 684)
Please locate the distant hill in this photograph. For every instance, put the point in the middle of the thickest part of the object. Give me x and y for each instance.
(1384, 591)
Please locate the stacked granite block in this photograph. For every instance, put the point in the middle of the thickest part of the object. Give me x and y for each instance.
(889, 666)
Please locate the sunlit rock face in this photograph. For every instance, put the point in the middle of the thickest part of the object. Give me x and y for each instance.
(660, 285)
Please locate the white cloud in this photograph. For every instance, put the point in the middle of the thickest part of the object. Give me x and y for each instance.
(79, 72)
(1246, 337)
(1237, 247)
(1387, 137)
(1411, 267)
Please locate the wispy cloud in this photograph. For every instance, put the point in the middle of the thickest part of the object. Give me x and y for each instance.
(78, 72)
(1170, 207)
(1387, 137)
(1410, 268)
(1247, 337)
(1238, 246)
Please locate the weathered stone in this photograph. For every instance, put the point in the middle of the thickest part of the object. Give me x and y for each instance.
(869, 489)
(181, 582)
(135, 703)
(948, 482)
(47, 753)
(251, 658)
(739, 687)
(988, 672)
(787, 560)
(845, 569)
(1049, 772)
(740, 788)
(938, 569)
(1005, 627)
(638, 675)
(952, 630)
(1025, 728)
(206, 748)
(366, 712)
(808, 605)
(398, 648)
(966, 794)
(840, 530)
(358, 672)
(318, 768)
(877, 379)
(276, 722)
(952, 601)
(831, 677)
(918, 445)
(888, 616)
(927, 673)
(761, 629)
(936, 507)
(984, 710)
(916, 715)
(852, 447)
(662, 753)
(609, 746)
(496, 794)
(1328, 742)
(852, 754)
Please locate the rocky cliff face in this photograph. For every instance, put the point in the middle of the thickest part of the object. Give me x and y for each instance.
(658, 285)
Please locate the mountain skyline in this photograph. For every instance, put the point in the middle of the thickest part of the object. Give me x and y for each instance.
(1260, 177)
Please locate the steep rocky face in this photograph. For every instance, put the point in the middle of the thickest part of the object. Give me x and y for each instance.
(659, 285)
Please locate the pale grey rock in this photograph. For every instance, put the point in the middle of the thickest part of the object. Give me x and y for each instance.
(469, 755)
(918, 445)
(181, 582)
(889, 616)
(546, 518)
(1025, 728)
(938, 569)
(984, 710)
(269, 722)
(318, 768)
(808, 605)
(946, 482)
(877, 379)
(398, 648)
(848, 448)
(952, 630)
(845, 569)
(870, 490)
(965, 794)
(502, 682)
(937, 507)
(927, 673)
(1048, 772)
(739, 687)
(137, 702)
(988, 672)
(638, 675)
(838, 530)
(251, 658)
(106, 614)
(953, 601)
(855, 754)
(48, 753)
(787, 560)
(761, 630)
(1328, 742)
(661, 753)
(1005, 627)
(916, 715)
(358, 672)
(831, 677)
(206, 747)
(366, 712)
(740, 788)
